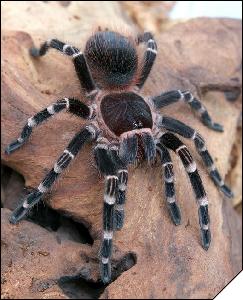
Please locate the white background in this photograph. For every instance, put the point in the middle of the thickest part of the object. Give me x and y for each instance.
(233, 291)
(193, 9)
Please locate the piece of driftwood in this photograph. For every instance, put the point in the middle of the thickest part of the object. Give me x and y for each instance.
(152, 257)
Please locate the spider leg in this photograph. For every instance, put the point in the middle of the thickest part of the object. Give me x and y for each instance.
(170, 141)
(188, 132)
(149, 56)
(121, 198)
(86, 134)
(176, 96)
(122, 185)
(108, 168)
(72, 105)
(79, 61)
(167, 167)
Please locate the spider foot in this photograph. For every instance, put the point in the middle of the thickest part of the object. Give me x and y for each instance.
(17, 215)
(13, 146)
(20, 212)
(227, 191)
(174, 213)
(105, 270)
(215, 126)
(219, 182)
(207, 121)
(35, 52)
(206, 238)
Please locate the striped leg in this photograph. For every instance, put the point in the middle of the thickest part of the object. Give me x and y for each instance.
(170, 141)
(72, 105)
(188, 132)
(168, 172)
(176, 96)
(121, 198)
(108, 168)
(122, 174)
(86, 134)
(209, 163)
(79, 61)
(149, 56)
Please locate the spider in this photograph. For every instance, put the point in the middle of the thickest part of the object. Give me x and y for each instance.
(127, 128)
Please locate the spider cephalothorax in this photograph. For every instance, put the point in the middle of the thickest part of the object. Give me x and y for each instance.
(126, 127)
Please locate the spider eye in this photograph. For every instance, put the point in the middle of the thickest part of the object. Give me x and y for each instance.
(137, 124)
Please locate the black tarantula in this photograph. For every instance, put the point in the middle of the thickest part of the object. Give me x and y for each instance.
(126, 127)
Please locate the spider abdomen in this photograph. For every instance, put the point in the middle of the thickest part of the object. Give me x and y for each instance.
(124, 112)
(112, 58)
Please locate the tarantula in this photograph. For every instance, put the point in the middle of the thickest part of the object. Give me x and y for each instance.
(126, 127)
